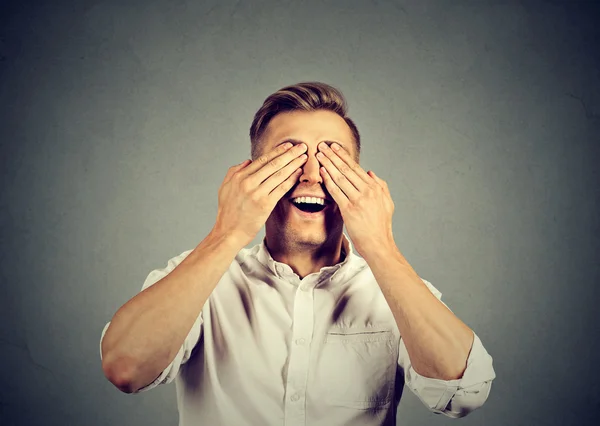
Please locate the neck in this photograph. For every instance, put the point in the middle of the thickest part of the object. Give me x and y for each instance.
(305, 260)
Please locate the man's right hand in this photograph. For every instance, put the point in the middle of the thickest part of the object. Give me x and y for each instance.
(251, 190)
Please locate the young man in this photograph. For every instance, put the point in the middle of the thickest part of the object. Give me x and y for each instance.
(298, 330)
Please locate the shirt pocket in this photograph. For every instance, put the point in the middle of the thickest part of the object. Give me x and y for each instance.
(357, 367)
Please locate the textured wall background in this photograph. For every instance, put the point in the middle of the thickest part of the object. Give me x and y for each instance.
(119, 120)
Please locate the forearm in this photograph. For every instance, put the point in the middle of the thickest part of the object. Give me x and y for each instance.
(437, 341)
(147, 331)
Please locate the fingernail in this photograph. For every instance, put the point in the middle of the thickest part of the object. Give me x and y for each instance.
(335, 146)
(287, 145)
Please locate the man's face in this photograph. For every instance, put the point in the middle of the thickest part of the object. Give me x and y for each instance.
(294, 228)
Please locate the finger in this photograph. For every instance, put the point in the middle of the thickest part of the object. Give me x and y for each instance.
(278, 163)
(339, 178)
(380, 181)
(336, 193)
(265, 158)
(233, 169)
(279, 191)
(346, 164)
(281, 175)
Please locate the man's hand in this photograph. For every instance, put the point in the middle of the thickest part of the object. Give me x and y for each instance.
(251, 190)
(364, 199)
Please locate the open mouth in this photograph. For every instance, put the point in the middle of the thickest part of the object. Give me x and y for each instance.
(309, 207)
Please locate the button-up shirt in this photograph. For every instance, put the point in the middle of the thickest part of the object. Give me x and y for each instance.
(269, 348)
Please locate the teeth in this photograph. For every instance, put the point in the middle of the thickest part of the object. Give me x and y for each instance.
(311, 200)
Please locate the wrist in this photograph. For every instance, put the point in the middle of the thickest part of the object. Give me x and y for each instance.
(230, 238)
(377, 249)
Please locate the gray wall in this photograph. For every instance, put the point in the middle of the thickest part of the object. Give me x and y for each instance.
(120, 119)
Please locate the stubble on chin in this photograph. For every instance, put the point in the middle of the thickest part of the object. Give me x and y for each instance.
(291, 232)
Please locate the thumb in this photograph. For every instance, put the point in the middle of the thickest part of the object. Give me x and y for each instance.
(233, 169)
(239, 166)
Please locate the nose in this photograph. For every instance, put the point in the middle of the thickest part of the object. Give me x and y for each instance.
(310, 169)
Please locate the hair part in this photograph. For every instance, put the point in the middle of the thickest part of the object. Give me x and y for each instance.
(307, 96)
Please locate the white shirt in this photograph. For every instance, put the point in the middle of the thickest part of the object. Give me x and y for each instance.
(269, 348)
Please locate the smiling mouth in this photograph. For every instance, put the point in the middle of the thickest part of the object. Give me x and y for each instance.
(309, 207)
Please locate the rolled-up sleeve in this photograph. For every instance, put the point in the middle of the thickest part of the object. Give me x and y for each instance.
(452, 398)
(185, 351)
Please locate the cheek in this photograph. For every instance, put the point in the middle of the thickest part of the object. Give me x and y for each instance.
(284, 208)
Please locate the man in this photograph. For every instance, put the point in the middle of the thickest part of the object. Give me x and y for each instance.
(297, 330)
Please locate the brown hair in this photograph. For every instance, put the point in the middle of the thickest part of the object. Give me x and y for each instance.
(308, 96)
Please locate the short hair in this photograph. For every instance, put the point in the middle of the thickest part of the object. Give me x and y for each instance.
(307, 96)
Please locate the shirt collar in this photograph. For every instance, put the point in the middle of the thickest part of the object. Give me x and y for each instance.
(334, 272)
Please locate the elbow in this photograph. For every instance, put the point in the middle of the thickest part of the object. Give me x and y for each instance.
(461, 410)
(120, 373)
(467, 402)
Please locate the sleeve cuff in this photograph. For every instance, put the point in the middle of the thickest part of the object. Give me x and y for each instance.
(437, 394)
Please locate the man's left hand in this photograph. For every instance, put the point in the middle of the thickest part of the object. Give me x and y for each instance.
(363, 198)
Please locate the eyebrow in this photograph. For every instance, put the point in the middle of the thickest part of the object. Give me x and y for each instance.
(297, 141)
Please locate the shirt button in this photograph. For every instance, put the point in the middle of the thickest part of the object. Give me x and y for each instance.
(295, 397)
(279, 269)
(300, 341)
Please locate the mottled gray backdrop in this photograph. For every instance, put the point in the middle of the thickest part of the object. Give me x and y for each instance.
(119, 120)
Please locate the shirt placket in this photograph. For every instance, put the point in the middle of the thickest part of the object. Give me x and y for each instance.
(302, 331)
